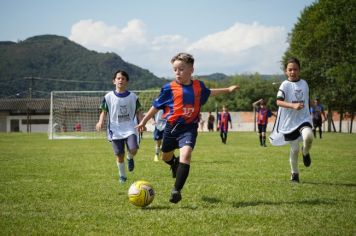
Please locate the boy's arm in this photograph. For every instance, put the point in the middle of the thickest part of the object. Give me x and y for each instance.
(151, 112)
(100, 123)
(257, 102)
(139, 115)
(217, 91)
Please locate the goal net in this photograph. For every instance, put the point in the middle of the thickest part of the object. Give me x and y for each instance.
(74, 114)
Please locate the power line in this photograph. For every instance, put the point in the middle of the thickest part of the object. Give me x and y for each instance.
(62, 80)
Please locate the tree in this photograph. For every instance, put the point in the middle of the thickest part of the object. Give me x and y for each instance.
(324, 41)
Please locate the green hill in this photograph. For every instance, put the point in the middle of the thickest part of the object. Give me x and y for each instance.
(51, 62)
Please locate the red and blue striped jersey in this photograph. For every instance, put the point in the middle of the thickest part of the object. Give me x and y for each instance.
(181, 103)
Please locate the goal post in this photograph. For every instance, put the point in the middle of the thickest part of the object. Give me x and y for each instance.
(74, 114)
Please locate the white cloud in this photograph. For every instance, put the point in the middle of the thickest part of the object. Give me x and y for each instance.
(242, 48)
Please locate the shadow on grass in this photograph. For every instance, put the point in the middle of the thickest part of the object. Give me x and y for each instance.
(211, 200)
(331, 184)
(301, 202)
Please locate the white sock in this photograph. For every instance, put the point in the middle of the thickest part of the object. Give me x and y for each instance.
(121, 168)
(293, 156)
(157, 150)
(308, 137)
(129, 156)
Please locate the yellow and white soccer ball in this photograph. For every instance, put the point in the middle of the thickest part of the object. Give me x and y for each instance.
(141, 193)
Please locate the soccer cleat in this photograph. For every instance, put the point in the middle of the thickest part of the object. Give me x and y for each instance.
(175, 196)
(130, 164)
(156, 158)
(306, 159)
(174, 166)
(122, 179)
(295, 177)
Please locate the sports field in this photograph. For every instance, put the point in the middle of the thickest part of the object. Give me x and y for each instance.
(70, 187)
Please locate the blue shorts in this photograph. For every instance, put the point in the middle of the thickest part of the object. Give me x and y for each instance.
(118, 145)
(157, 134)
(178, 136)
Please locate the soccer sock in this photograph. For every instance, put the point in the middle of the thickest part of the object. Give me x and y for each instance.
(157, 150)
(293, 156)
(129, 155)
(182, 175)
(171, 161)
(121, 168)
(307, 135)
(261, 139)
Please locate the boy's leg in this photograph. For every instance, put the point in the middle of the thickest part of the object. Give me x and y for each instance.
(121, 168)
(186, 143)
(293, 159)
(307, 135)
(119, 151)
(172, 161)
(132, 147)
(182, 173)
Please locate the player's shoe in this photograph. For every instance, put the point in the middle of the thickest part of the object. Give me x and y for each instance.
(130, 164)
(174, 166)
(122, 179)
(306, 159)
(175, 196)
(294, 178)
(156, 158)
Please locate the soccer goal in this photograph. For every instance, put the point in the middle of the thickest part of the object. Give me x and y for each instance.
(74, 114)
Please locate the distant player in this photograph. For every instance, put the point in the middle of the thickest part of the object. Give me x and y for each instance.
(293, 123)
(181, 100)
(160, 124)
(211, 121)
(123, 107)
(262, 119)
(224, 119)
(317, 111)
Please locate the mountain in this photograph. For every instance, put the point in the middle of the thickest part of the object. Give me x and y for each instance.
(213, 77)
(49, 62)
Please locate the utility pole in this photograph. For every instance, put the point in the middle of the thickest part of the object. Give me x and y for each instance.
(29, 121)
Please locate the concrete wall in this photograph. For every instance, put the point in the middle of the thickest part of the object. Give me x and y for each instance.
(241, 121)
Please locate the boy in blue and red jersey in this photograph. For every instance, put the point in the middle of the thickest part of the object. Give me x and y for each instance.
(224, 119)
(181, 101)
(263, 113)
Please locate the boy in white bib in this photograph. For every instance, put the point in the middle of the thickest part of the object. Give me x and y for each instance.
(122, 108)
(293, 123)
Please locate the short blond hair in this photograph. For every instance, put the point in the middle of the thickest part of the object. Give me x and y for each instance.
(182, 56)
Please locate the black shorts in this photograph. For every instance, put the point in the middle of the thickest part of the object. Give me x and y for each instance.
(178, 136)
(317, 122)
(296, 133)
(262, 128)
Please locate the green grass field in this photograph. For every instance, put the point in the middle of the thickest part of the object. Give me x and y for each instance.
(70, 187)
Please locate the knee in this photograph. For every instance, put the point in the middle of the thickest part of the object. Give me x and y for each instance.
(309, 137)
(133, 152)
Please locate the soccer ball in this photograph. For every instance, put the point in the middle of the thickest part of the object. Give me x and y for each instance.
(141, 193)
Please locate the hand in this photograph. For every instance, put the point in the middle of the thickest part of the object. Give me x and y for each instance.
(233, 88)
(98, 126)
(298, 106)
(141, 127)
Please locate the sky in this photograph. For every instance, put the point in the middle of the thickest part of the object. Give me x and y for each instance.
(224, 36)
